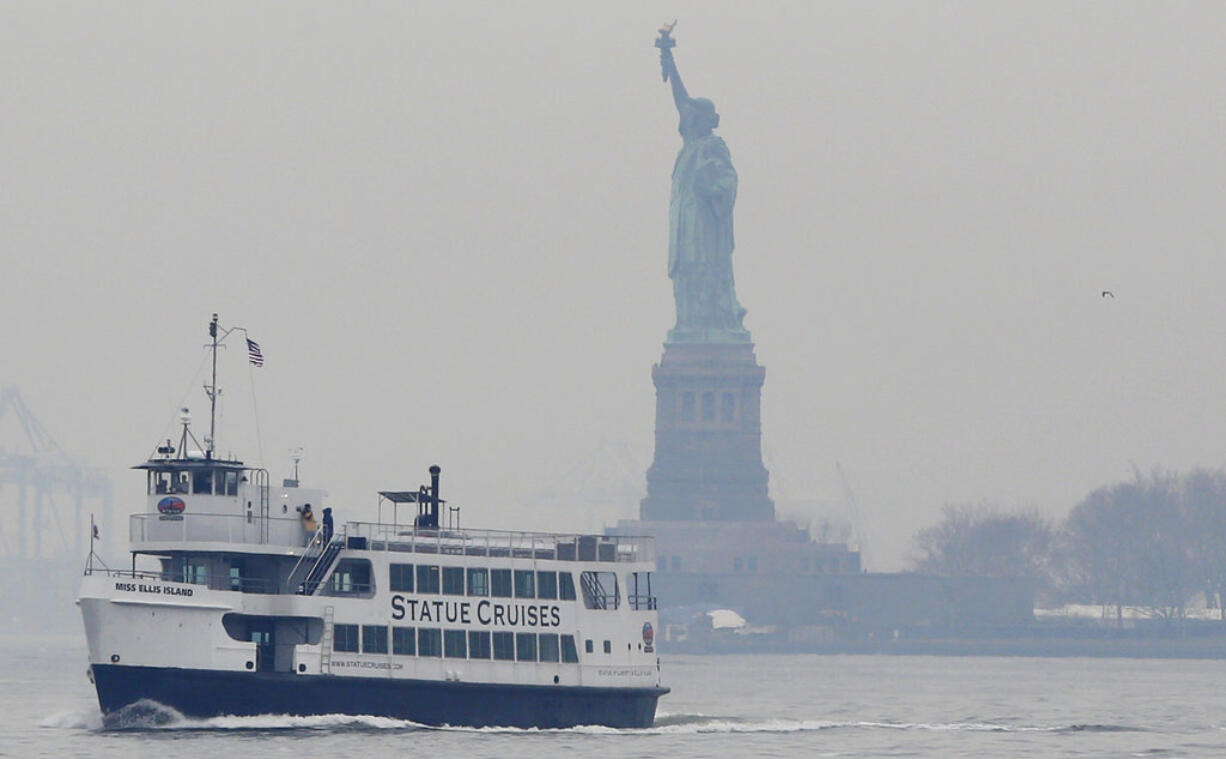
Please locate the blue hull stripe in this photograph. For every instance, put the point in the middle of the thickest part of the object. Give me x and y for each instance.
(211, 693)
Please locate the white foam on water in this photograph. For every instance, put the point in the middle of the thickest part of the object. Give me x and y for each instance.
(699, 725)
(322, 722)
(717, 725)
(149, 715)
(290, 722)
(73, 720)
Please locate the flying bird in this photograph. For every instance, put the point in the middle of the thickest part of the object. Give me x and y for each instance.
(1108, 294)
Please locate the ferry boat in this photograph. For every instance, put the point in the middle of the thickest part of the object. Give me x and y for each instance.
(251, 605)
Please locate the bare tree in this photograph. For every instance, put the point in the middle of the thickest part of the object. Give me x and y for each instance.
(1153, 543)
(979, 540)
(1130, 544)
(1203, 495)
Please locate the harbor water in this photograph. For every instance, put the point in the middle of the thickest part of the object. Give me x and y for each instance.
(765, 705)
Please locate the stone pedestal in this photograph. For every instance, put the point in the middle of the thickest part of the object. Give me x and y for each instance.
(708, 459)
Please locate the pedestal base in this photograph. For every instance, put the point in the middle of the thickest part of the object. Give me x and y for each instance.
(708, 459)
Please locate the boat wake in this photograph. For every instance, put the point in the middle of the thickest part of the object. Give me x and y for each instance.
(151, 716)
(699, 724)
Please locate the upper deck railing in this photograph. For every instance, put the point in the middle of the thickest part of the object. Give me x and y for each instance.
(216, 528)
(526, 545)
(227, 528)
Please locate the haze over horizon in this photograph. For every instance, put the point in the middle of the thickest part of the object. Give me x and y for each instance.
(447, 227)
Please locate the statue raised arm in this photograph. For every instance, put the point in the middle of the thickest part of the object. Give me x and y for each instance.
(668, 66)
(700, 218)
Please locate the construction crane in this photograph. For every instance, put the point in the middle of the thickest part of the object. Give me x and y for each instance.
(849, 501)
(51, 489)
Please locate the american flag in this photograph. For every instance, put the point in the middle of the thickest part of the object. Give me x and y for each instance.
(254, 353)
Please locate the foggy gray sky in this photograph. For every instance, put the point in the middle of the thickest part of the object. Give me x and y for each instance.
(447, 226)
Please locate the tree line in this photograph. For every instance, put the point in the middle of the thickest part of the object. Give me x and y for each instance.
(1156, 542)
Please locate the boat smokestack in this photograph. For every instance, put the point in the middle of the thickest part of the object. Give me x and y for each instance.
(435, 470)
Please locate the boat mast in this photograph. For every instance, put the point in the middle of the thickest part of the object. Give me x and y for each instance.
(212, 392)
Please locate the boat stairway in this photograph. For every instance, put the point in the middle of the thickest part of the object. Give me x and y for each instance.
(319, 570)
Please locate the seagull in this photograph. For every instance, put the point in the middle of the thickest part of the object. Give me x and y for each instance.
(1108, 293)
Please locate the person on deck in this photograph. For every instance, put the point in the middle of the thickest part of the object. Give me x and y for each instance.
(327, 525)
(308, 520)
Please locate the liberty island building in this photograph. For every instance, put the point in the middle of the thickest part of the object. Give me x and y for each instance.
(719, 543)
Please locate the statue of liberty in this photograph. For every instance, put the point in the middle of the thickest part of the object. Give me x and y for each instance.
(700, 219)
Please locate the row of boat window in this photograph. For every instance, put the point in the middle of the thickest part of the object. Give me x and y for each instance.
(500, 583)
(456, 644)
(600, 589)
(196, 481)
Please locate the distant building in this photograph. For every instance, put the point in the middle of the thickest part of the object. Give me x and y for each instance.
(742, 548)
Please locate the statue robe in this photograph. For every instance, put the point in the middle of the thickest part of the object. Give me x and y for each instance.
(700, 236)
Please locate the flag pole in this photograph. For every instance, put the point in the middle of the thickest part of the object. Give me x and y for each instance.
(218, 336)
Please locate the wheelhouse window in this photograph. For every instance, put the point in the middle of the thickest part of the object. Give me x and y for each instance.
(427, 578)
(478, 582)
(500, 583)
(504, 646)
(345, 638)
(374, 639)
(202, 482)
(453, 581)
(400, 577)
(161, 482)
